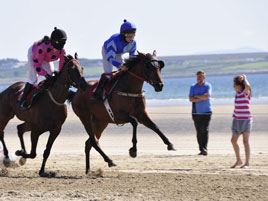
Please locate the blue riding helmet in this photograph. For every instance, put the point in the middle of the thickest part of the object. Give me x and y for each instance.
(128, 27)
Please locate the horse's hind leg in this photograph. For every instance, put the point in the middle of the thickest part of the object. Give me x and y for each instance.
(22, 128)
(95, 133)
(146, 121)
(133, 149)
(3, 123)
(52, 137)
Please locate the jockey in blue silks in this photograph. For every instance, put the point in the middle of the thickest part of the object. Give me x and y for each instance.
(113, 50)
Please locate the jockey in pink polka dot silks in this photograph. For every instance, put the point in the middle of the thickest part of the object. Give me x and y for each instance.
(40, 60)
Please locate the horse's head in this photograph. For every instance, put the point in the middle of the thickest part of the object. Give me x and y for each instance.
(74, 72)
(152, 70)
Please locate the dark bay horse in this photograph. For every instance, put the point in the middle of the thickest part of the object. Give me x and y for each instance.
(127, 103)
(48, 114)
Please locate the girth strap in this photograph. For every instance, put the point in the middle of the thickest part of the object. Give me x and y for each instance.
(130, 94)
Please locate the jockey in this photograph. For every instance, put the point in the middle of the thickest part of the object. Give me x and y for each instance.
(112, 54)
(40, 55)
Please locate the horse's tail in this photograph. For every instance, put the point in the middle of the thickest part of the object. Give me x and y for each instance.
(70, 96)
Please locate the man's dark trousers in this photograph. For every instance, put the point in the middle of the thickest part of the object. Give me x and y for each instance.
(201, 122)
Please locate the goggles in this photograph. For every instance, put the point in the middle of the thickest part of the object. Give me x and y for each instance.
(129, 35)
(61, 41)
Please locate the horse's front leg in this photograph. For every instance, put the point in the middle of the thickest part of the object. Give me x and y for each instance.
(52, 137)
(133, 149)
(22, 128)
(146, 121)
(6, 160)
(34, 140)
(87, 152)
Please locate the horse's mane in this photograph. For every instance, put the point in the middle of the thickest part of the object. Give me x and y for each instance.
(58, 73)
(70, 57)
(132, 61)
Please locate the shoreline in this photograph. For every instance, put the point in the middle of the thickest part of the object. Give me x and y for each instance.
(249, 72)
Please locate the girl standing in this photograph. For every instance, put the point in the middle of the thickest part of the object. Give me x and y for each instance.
(242, 121)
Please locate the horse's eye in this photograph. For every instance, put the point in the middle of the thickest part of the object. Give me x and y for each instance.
(161, 64)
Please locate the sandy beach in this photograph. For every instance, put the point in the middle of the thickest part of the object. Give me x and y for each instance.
(155, 174)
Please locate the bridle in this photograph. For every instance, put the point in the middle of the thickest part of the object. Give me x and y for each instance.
(74, 84)
(144, 71)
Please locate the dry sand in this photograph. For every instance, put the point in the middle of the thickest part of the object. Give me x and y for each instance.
(156, 174)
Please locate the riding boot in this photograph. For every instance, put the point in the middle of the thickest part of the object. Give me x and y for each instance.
(23, 102)
(98, 94)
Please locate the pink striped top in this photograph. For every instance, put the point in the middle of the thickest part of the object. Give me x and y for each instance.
(241, 110)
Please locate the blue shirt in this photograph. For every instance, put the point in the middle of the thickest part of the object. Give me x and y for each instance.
(117, 45)
(203, 106)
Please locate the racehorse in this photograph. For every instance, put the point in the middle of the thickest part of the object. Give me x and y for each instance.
(47, 114)
(126, 101)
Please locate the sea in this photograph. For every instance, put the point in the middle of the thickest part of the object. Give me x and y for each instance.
(176, 90)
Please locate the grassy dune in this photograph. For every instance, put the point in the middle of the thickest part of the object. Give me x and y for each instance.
(176, 66)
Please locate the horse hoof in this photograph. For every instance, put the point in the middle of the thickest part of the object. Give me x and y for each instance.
(6, 162)
(111, 164)
(171, 148)
(132, 153)
(22, 161)
(47, 174)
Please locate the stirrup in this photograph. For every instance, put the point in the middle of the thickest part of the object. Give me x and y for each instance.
(23, 105)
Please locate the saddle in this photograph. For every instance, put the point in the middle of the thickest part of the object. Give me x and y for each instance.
(108, 89)
(35, 93)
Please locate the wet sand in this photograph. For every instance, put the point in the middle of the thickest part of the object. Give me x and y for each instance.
(155, 174)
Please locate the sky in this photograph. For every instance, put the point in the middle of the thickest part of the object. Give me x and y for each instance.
(172, 27)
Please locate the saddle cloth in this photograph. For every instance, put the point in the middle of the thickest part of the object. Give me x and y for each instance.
(114, 76)
(34, 91)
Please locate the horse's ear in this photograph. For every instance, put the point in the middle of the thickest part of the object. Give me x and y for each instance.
(65, 58)
(76, 56)
(154, 53)
(161, 63)
(141, 54)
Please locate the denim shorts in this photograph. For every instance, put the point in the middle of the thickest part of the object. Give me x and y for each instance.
(241, 125)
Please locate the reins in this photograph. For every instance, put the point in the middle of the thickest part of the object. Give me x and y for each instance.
(61, 84)
(138, 77)
(53, 99)
(143, 72)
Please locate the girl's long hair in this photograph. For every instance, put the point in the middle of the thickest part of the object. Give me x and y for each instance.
(242, 84)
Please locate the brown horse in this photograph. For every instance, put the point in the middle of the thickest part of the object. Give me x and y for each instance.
(127, 104)
(47, 114)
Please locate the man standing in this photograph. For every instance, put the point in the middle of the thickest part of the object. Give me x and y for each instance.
(200, 93)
